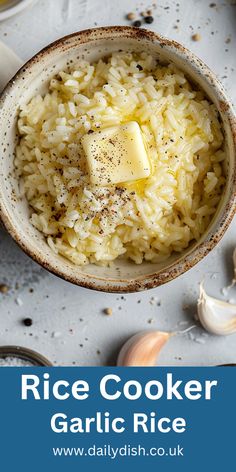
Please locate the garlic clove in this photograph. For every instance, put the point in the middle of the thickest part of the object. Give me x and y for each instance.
(142, 349)
(216, 316)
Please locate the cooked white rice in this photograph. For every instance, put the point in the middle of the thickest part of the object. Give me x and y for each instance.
(147, 220)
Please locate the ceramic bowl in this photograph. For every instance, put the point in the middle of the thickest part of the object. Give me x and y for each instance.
(33, 78)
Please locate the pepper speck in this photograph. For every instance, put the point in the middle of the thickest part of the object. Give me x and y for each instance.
(149, 19)
(28, 322)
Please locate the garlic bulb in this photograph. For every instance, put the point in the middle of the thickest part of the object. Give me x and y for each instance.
(216, 316)
(142, 349)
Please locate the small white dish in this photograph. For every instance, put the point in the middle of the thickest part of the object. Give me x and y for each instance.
(10, 63)
(11, 7)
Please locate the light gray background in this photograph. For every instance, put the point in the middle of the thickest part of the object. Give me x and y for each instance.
(69, 326)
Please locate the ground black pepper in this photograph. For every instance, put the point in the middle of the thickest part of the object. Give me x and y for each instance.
(137, 23)
(28, 321)
(149, 19)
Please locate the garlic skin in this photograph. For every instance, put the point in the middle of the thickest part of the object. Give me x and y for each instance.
(216, 316)
(225, 290)
(142, 349)
(234, 262)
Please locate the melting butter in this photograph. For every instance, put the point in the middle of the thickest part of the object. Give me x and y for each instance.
(116, 155)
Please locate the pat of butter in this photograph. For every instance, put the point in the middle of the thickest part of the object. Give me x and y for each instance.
(115, 155)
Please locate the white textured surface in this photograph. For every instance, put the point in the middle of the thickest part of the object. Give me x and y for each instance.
(69, 326)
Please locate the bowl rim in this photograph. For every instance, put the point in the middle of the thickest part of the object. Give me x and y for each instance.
(20, 352)
(177, 268)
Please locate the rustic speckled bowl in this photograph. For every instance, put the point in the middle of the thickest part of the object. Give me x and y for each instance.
(34, 77)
